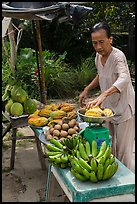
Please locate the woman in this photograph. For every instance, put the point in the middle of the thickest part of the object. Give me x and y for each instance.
(117, 92)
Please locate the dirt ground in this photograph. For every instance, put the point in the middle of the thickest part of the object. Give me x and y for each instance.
(27, 181)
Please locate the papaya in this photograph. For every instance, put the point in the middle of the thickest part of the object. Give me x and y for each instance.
(38, 121)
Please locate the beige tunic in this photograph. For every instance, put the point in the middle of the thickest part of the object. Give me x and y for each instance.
(122, 127)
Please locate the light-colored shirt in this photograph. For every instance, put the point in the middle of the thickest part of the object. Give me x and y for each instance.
(116, 72)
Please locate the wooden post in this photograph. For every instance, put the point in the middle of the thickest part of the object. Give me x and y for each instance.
(44, 95)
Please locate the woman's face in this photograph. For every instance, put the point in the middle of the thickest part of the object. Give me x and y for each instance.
(101, 43)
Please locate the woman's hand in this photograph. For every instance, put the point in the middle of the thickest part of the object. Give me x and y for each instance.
(82, 98)
(97, 101)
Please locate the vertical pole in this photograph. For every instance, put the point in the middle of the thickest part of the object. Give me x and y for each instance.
(44, 97)
(37, 59)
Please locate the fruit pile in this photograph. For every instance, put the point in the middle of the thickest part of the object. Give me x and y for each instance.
(98, 112)
(62, 129)
(17, 101)
(85, 160)
(52, 114)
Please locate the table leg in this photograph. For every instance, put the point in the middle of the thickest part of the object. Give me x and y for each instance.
(6, 130)
(48, 183)
(13, 147)
(40, 153)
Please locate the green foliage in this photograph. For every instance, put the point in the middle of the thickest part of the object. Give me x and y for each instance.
(6, 70)
(25, 72)
(62, 78)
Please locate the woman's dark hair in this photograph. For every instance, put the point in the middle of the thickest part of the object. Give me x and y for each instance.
(101, 25)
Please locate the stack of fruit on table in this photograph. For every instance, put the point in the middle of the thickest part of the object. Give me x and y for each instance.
(52, 114)
(86, 161)
(17, 102)
(66, 128)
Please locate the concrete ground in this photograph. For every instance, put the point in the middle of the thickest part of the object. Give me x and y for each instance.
(26, 183)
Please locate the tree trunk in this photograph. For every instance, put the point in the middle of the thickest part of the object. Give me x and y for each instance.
(13, 53)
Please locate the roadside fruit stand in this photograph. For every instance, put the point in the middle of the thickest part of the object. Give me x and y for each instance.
(84, 170)
(81, 159)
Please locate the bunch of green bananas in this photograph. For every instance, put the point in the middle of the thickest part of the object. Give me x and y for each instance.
(86, 161)
(92, 164)
(58, 152)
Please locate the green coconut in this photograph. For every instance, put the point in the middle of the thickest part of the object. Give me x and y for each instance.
(16, 109)
(30, 106)
(8, 105)
(21, 95)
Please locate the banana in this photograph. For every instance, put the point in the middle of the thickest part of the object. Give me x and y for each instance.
(56, 143)
(108, 152)
(72, 171)
(93, 164)
(70, 157)
(94, 148)
(55, 164)
(107, 172)
(68, 143)
(112, 158)
(72, 163)
(87, 148)
(77, 175)
(86, 174)
(53, 158)
(82, 151)
(76, 147)
(114, 168)
(77, 168)
(93, 177)
(102, 149)
(101, 160)
(75, 141)
(78, 154)
(53, 148)
(58, 159)
(49, 153)
(84, 164)
(73, 152)
(100, 172)
(63, 165)
(80, 177)
(71, 142)
(64, 158)
(69, 164)
(107, 162)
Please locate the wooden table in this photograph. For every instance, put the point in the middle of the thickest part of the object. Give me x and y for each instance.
(122, 183)
(13, 124)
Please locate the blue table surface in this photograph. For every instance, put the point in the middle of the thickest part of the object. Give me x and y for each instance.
(123, 182)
